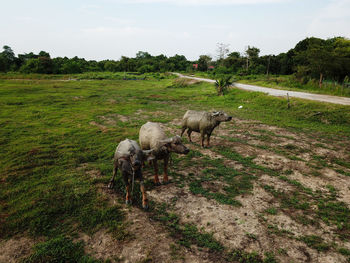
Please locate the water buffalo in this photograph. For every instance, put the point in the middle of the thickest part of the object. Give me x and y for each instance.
(153, 137)
(128, 157)
(202, 122)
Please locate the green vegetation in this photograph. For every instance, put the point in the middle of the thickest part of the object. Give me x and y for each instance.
(236, 183)
(271, 211)
(59, 249)
(222, 84)
(315, 242)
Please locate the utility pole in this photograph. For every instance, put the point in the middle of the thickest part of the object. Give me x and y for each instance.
(247, 57)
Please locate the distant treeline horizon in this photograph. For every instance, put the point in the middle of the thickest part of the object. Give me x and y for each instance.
(312, 58)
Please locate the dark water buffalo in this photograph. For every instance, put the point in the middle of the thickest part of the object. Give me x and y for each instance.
(153, 137)
(128, 157)
(202, 122)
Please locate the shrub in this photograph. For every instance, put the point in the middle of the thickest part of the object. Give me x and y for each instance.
(222, 84)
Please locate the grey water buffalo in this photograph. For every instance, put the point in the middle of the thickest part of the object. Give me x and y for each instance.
(202, 122)
(153, 137)
(128, 157)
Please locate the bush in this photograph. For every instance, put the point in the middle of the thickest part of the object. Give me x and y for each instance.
(182, 83)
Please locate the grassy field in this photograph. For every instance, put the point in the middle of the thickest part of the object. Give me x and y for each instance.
(289, 82)
(274, 186)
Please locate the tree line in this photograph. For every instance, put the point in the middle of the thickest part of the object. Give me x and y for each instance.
(44, 64)
(311, 58)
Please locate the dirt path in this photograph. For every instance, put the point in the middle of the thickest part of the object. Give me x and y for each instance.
(282, 93)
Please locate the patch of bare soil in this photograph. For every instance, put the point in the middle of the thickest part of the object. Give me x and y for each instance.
(112, 101)
(108, 120)
(295, 156)
(235, 227)
(103, 128)
(78, 97)
(111, 119)
(148, 240)
(249, 227)
(15, 249)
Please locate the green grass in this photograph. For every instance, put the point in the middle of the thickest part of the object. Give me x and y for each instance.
(235, 183)
(271, 211)
(315, 242)
(59, 249)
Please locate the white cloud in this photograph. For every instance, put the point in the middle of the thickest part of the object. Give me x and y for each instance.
(202, 2)
(333, 20)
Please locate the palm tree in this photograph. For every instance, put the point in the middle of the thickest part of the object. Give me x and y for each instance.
(222, 84)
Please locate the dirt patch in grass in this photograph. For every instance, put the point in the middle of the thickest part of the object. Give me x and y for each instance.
(235, 227)
(16, 249)
(292, 160)
(146, 240)
(149, 242)
(108, 120)
(103, 128)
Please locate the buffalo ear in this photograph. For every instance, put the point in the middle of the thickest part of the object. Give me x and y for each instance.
(215, 113)
(148, 155)
(166, 141)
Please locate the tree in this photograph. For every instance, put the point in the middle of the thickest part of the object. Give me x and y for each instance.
(142, 54)
(233, 62)
(8, 53)
(110, 65)
(234, 55)
(252, 53)
(222, 84)
(30, 66)
(44, 54)
(320, 61)
(222, 50)
(7, 59)
(315, 57)
(341, 52)
(145, 68)
(203, 62)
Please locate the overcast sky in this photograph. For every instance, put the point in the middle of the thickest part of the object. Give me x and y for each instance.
(108, 29)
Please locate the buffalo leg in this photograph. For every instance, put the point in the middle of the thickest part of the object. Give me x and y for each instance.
(189, 134)
(202, 139)
(115, 170)
(144, 196)
(208, 139)
(156, 178)
(165, 177)
(183, 130)
(128, 195)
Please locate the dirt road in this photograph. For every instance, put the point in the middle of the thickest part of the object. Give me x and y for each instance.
(282, 93)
